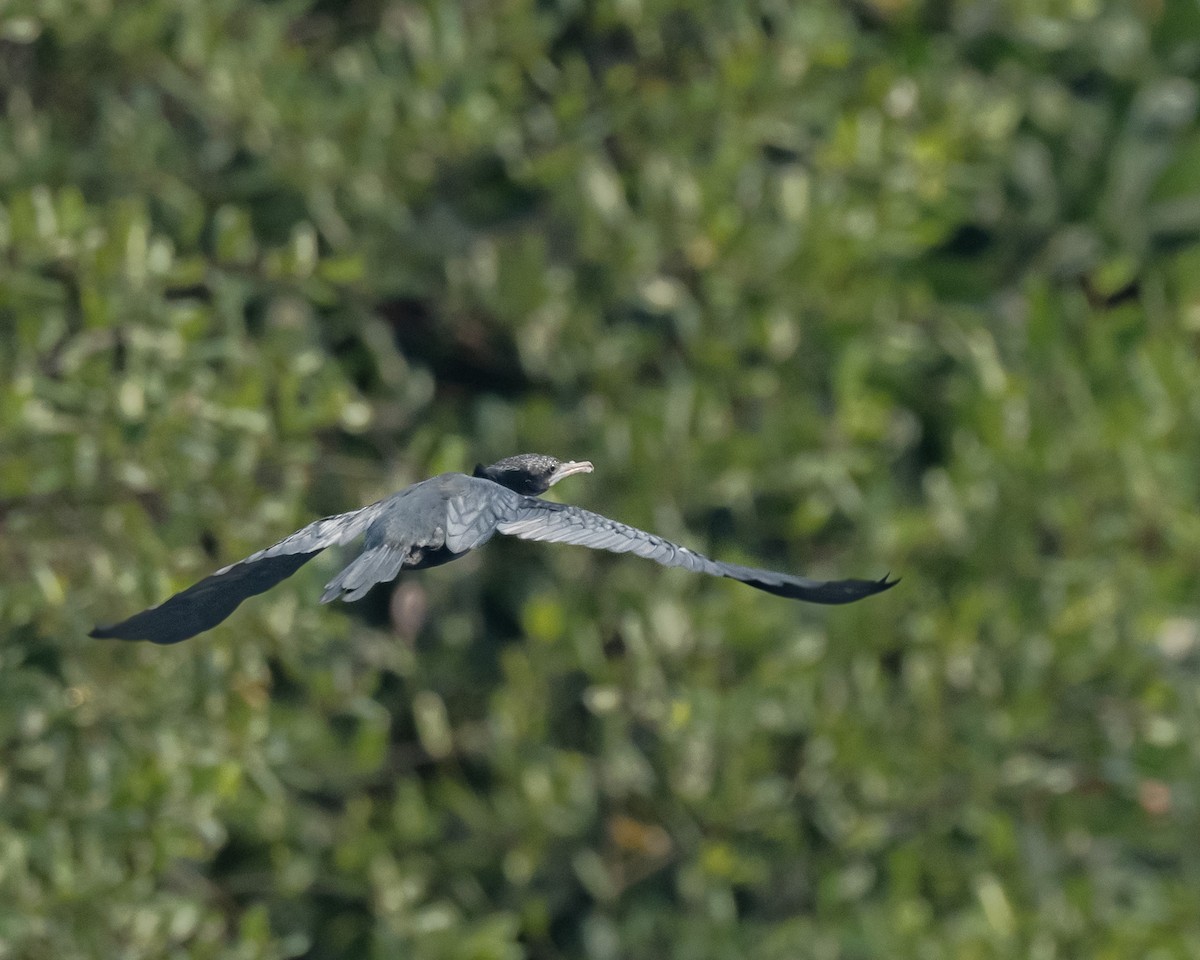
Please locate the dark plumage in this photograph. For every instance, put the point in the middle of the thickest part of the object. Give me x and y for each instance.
(438, 520)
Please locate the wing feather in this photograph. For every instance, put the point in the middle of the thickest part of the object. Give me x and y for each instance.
(205, 604)
(471, 517)
(532, 519)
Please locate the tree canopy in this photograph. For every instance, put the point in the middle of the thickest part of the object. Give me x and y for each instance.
(837, 287)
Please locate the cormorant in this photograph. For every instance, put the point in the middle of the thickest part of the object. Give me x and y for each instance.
(436, 521)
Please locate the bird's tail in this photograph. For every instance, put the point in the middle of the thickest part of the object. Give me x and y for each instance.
(377, 564)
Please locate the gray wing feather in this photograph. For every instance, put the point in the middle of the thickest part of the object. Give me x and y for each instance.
(533, 519)
(205, 604)
(326, 532)
(471, 518)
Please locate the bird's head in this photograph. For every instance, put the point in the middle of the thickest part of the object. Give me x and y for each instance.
(531, 474)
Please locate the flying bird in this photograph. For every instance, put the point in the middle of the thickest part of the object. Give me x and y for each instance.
(436, 521)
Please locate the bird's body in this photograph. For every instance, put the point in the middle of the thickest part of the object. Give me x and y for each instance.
(436, 521)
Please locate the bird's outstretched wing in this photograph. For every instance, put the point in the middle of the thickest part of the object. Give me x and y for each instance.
(205, 604)
(533, 519)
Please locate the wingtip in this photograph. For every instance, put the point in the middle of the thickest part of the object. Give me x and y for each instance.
(109, 633)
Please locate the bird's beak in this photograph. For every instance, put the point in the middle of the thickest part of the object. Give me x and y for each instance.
(568, 469)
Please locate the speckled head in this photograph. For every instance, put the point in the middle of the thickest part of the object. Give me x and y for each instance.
(531, 474)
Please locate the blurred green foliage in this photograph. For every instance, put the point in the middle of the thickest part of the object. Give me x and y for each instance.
(839, 287)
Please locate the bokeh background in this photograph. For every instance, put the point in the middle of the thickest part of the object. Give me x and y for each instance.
(838, 287)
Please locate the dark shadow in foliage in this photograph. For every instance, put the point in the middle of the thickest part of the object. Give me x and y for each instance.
(468, 354)
(482, 194)
(601, 48)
